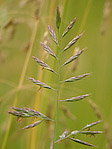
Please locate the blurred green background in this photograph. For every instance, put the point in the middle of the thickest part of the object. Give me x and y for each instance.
(22, 26)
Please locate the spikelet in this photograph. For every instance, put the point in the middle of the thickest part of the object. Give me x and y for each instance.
(90, 132)
(82, 142)
(27, 112)
(33, 125)
(91, 125)
(72, 79)
(41, 84)
(53, 35)
(73, 57)
(73, 99)
(72, 42)
(44, 65)
(48, 49)
(69, 27)
(65, 135)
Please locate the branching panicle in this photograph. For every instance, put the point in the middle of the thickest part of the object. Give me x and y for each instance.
(27, 112)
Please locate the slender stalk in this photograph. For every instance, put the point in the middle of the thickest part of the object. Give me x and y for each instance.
(57, 96)
(81, 27)
(58, 87)
(59, 68)
(21, 82)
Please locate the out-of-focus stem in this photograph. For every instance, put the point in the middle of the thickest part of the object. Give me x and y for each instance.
(21, 82)
(34, 140)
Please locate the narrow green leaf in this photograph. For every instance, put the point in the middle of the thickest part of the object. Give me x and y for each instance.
(44, 65)
(72, 42)
(33, 125)
(82, 142)
(58, 18)
(73, 57)
(48, 49)
(41, 84)
(91, 125)
(76, 78)
(69, 27)
(53, 35)
(73, 99)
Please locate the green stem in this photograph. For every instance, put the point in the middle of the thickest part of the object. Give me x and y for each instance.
(58, 88)
(59, 68)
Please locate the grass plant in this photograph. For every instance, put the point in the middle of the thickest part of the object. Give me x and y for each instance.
(27, 112)
(45, 82)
